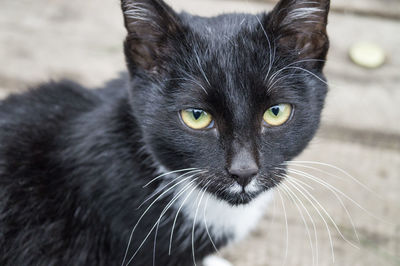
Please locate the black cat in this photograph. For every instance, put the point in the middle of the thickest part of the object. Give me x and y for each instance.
(172, 161)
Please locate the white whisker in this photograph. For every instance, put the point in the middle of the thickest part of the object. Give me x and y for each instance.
(201, 68)
(273, 215)
(331, 189)
(338, 169)
(289, 192)
(281, 78)
(312, 222)
(193, 81)
(301, 189)
(165, 186)
(172, 172)
(301, 182)
(273, 76)
(148, 208)
(194, 220)
(183, 190)
(206, 226)
(321, 182)
(176, 217)
(328, 215)
(317, 169)
(287, 226)
(159, 219)
(269, 47)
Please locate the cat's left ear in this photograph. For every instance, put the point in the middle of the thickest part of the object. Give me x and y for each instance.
(152, 28)
(300, 26)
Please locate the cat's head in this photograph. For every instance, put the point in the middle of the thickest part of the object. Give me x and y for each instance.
(235, 95)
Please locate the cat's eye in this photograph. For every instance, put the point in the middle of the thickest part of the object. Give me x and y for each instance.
(196, 118)
(278, 114)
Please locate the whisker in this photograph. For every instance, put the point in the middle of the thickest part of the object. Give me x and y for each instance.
(281, 78)
(286, 224)
(269, 47)
(312, 222)
(298, 180)
(176, 217)
(164, 187)
(309, 72)
(301, 189)
(201, 68)
(206, 226)
(181, 192)
(330, 188)
(327, 185)
(329, 216)
(317, 169)
(194, 219)
(172, 172)
(159, 219)
(289, 192)
(338, 169)
(148, 208)
(273, 76)
(193, 81)
(273, 215)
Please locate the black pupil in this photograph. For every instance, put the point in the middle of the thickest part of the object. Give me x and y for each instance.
(197, 114)
(275, 110)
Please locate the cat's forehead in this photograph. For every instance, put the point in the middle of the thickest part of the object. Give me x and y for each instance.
(226, 73)
(222, 26)
(230, 65)
(228, 45)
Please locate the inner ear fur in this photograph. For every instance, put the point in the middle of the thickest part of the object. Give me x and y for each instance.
(300, 27)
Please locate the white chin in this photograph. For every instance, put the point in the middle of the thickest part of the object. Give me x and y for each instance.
(215, 261)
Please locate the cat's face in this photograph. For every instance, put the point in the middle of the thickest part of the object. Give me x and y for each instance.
(235, 95)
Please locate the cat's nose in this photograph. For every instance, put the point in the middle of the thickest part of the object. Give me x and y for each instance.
(243, 176)
(243, 167)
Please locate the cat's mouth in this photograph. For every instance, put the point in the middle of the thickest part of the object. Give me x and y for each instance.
(241, 198)
(237, 194)
(250, 188)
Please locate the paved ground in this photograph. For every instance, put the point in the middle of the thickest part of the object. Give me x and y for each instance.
(81, 40)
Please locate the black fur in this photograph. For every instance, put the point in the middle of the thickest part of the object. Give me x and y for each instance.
(74, 162)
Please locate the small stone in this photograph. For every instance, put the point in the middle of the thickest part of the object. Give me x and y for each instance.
(368, 55)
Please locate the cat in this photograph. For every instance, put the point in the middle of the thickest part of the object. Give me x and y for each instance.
(176, 158)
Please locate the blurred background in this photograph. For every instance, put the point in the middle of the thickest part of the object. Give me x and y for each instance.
(356, 154)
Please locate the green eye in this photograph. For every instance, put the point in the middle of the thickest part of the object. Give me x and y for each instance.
(278, 114)
(196, 118)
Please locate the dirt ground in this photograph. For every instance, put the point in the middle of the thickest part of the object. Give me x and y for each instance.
(82, 40)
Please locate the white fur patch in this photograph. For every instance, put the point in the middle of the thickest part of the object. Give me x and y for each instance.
(215, 261)
(221, 218)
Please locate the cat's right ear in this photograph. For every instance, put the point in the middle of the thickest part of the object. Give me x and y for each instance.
(300, 26)
(152, 26)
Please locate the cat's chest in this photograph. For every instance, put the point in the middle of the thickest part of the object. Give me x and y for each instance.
(222, 220)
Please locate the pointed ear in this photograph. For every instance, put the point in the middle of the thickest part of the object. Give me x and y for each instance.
(152, 25)
(300, 26)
